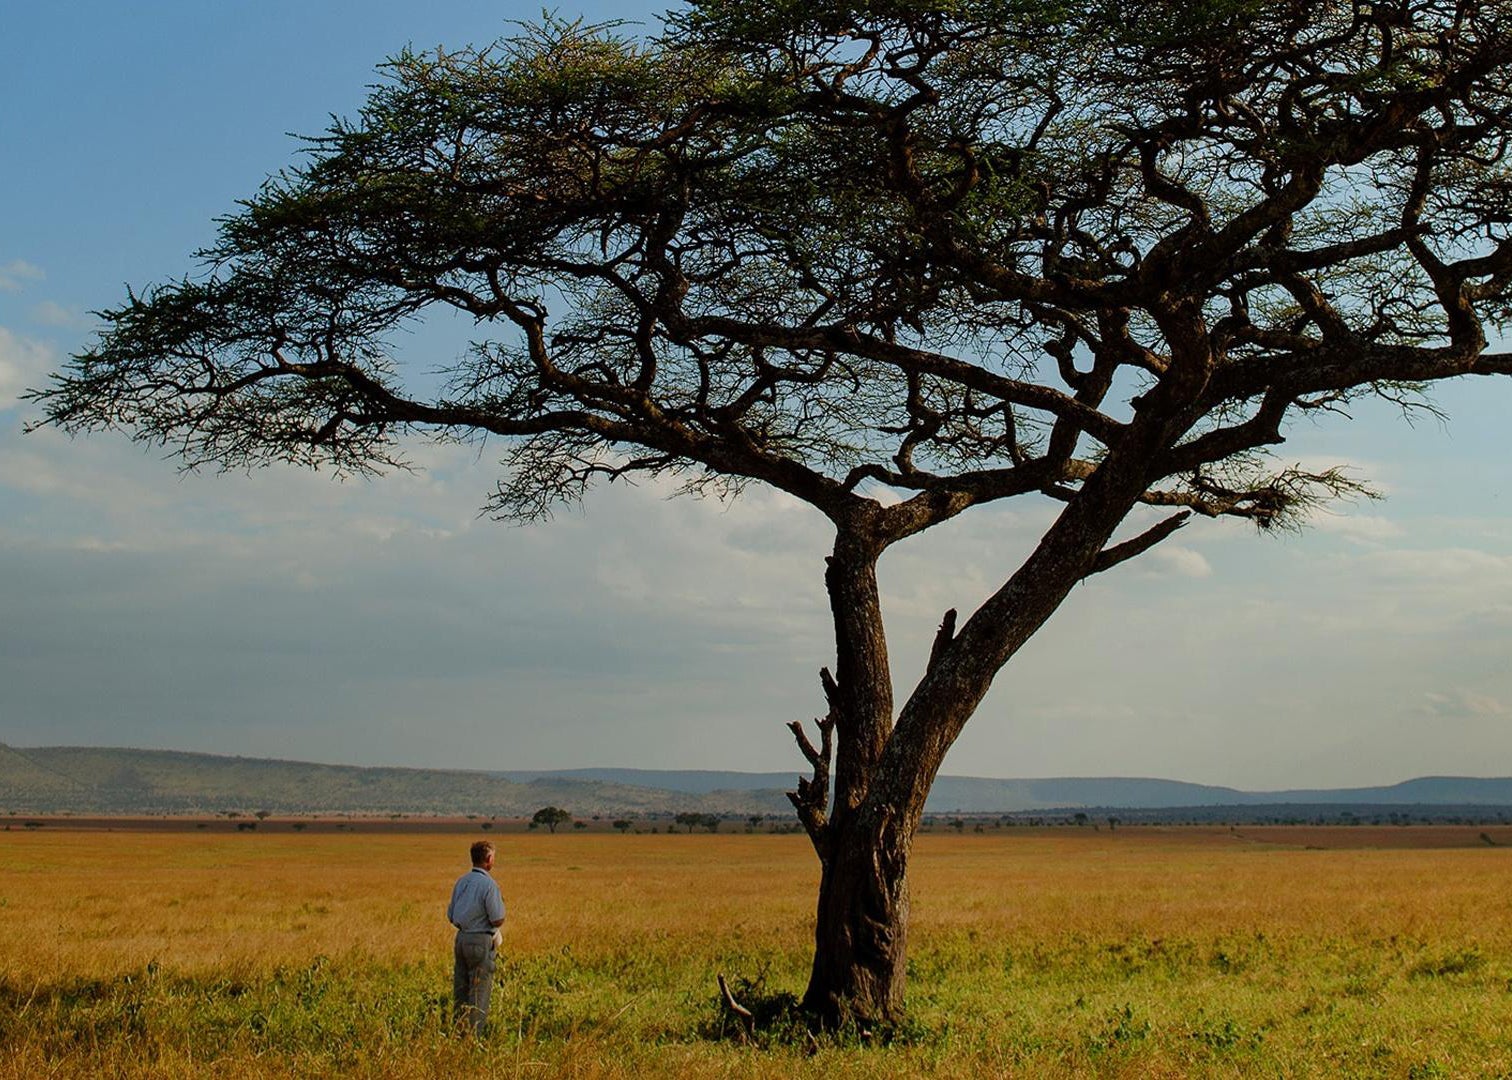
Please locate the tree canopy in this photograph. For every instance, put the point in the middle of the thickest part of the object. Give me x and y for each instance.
(944, 247)
(551, 817)
(896, 258)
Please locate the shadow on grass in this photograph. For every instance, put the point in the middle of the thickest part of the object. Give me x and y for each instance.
(777, 1020)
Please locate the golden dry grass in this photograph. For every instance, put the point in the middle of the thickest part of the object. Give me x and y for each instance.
(1063, 952)
(94, 904)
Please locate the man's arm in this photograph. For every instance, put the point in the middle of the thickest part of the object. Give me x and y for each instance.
(494, 907)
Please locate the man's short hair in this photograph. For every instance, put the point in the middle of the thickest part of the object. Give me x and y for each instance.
(481, 850)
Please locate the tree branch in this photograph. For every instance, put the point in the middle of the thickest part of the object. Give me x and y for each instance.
(1111, 557)
(811, 800)
(943, 639)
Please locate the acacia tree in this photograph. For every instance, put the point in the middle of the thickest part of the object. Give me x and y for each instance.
(551, 817)
(897, 259)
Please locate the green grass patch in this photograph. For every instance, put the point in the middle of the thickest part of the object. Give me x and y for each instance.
(1072, 1007)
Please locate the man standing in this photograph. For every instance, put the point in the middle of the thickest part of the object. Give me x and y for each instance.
(477, 911)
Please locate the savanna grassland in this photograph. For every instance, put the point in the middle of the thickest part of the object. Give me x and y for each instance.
(1142, 952)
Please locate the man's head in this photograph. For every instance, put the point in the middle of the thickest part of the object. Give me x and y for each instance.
(483, 854)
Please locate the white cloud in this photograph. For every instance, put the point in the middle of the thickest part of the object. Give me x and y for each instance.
(52, 313)
(1375, 475)
(640, 622)
(1460, 594)
(1463, 567)
(14, 275)
(1368, 529)
(100, 474)
(150, 506)
(1463, 703)
(23, 363)
(1176, 561)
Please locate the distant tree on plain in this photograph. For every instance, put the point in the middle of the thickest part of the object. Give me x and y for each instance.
(691, 820)
(551, 817)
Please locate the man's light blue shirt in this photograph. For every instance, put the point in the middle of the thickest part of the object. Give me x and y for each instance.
(475, 903)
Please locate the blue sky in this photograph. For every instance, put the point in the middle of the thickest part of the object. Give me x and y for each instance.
(383, 622)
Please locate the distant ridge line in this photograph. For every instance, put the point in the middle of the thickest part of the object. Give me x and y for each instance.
(986, 794)
(22, 754)
(124, 779)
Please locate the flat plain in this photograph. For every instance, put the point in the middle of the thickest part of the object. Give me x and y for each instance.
(1143, 951)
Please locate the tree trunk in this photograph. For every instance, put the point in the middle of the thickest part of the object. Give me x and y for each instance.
(861, 934)
(884, 769)
(883, 773)
(862, 920)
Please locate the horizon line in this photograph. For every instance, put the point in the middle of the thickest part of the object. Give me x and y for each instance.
(797, 772)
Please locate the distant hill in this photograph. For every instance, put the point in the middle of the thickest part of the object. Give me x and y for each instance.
(690, 781)
(971, 794)
(108, 780)
(22, 778)
(975, 795)
(963, 794)
(1425, 790)
(982, 795)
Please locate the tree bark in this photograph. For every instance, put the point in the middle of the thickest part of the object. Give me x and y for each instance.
(861, 933)
(861, 696)
(861, 926)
